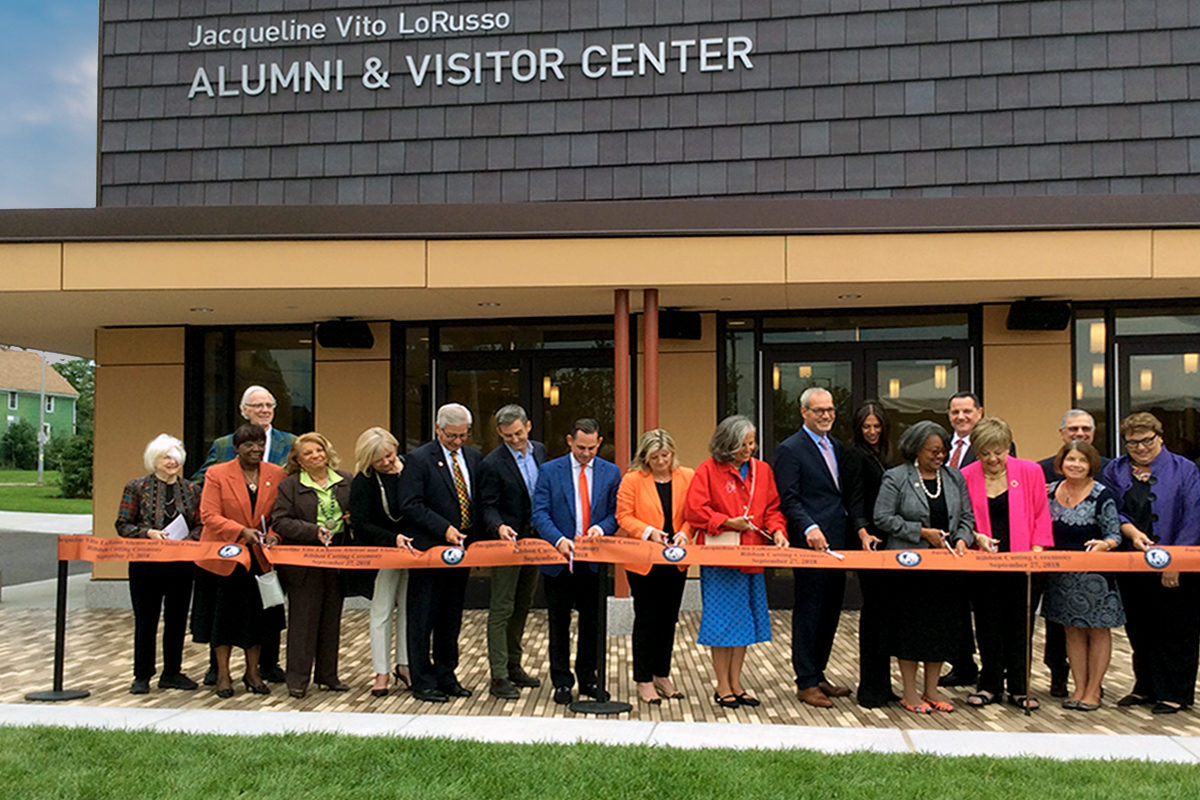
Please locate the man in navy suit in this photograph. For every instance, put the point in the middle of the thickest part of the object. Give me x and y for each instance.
(576, 497)
(437, 495)
(507, 479)
(812, 498)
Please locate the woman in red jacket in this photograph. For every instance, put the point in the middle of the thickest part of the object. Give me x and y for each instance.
(733, 502)
(235, 506)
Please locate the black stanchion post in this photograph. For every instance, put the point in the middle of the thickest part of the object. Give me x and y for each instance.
(60, 646)
(601, 705)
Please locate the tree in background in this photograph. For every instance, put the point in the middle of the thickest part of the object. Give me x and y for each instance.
(72, 455)
(18, 445)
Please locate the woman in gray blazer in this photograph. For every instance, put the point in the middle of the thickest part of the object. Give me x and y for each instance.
(923, 504)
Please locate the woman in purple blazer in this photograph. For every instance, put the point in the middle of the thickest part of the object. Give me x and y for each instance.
(1158, 498)
(1008, 497)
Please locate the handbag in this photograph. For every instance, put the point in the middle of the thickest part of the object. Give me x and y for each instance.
(269, 587)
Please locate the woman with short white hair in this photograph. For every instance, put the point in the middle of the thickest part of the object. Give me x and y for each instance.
(148, 506)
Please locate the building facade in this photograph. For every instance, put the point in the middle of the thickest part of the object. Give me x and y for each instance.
(849, 194)
(21, 386)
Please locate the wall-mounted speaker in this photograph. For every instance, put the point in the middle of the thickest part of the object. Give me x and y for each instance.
(1039, 315)
(346, 334)
(679, 325)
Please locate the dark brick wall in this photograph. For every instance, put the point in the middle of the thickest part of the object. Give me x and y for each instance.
(847, 98)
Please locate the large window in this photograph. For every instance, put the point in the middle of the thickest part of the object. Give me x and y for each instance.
(222, 362)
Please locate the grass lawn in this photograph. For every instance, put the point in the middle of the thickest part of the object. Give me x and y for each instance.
(61, 763)
(37, 498)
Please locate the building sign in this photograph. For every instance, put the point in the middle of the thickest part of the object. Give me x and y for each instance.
(458, 67)
(274, 102)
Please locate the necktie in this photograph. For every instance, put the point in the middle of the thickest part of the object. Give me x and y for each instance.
(827, 453)
(585, 501)
(957, 454)
(464, 499)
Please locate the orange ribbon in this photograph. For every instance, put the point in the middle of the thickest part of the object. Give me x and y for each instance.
(619, 550)
(93, 548)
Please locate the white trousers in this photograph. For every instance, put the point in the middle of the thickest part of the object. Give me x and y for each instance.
(387, 616)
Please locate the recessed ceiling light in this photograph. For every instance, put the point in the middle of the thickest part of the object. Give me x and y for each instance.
(201, 310)
(488, 305)
(726, 299)
(849, 296)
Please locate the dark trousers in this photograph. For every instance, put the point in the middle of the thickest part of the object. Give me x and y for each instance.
(1163, 626)
(564, 591)
(314, 597)
(874, 661)
(816, 609)
(964, 664)
(1054, 655)
(434, 608)
(508, 607)
(656, 599)
(156, 587)
(1000, 620)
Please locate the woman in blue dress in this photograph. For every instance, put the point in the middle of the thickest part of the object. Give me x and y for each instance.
(1087, 604)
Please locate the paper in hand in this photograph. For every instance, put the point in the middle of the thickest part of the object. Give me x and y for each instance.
(177, 529)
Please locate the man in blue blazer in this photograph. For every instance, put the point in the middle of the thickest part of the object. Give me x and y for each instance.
(811, 496)
(507, 480)
(576, 497)
(437, 490)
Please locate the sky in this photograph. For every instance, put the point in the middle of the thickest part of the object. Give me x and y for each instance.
(48, 103)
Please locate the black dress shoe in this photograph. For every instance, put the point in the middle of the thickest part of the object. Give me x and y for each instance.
(140, 686)
(210, 678)
(1162, 707)
(503, 688)
(379, 692)
(431, 695)
(335, 687)
(1132, 699)
(455, 689)
(521, 678)
(1058, 685)
(594, 691)
(956, 678)
(562, 695)
(272, 673)
(225, 694)
(260, 688)
(178, 681)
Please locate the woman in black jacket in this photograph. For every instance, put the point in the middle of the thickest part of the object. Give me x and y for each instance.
(866, 460)
(375, 517)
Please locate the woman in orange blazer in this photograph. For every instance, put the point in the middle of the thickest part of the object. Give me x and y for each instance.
(650, 505)
(236, 507)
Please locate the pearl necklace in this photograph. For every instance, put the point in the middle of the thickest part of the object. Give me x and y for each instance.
(925, 489)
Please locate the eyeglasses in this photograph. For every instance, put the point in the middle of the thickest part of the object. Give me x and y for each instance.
(823, 411)
(455, 437)
(1134, 444)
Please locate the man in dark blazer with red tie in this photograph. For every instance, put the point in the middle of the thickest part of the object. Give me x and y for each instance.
(812, 498)
(437, 495)
(561, 514)
(507, 480)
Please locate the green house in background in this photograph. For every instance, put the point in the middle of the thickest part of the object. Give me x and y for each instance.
(20, 393)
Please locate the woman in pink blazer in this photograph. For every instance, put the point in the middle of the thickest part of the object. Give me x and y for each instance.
(1008, 497)
(651, 502)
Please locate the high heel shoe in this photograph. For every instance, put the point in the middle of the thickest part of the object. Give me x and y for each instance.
(665, 693)
(224, 694)
(261, 688)
(401, 678)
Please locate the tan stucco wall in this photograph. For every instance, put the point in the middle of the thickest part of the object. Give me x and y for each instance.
(139, 394)
(353, 392)
(1026, 381)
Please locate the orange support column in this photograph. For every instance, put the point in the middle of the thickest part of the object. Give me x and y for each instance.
(621, 400)
(650, 356)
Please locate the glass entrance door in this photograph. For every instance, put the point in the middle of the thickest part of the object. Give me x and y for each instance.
(912, 383)
(1162, 376)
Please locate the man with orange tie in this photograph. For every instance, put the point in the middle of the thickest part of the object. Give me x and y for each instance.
(437, 498)
(575, 498)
